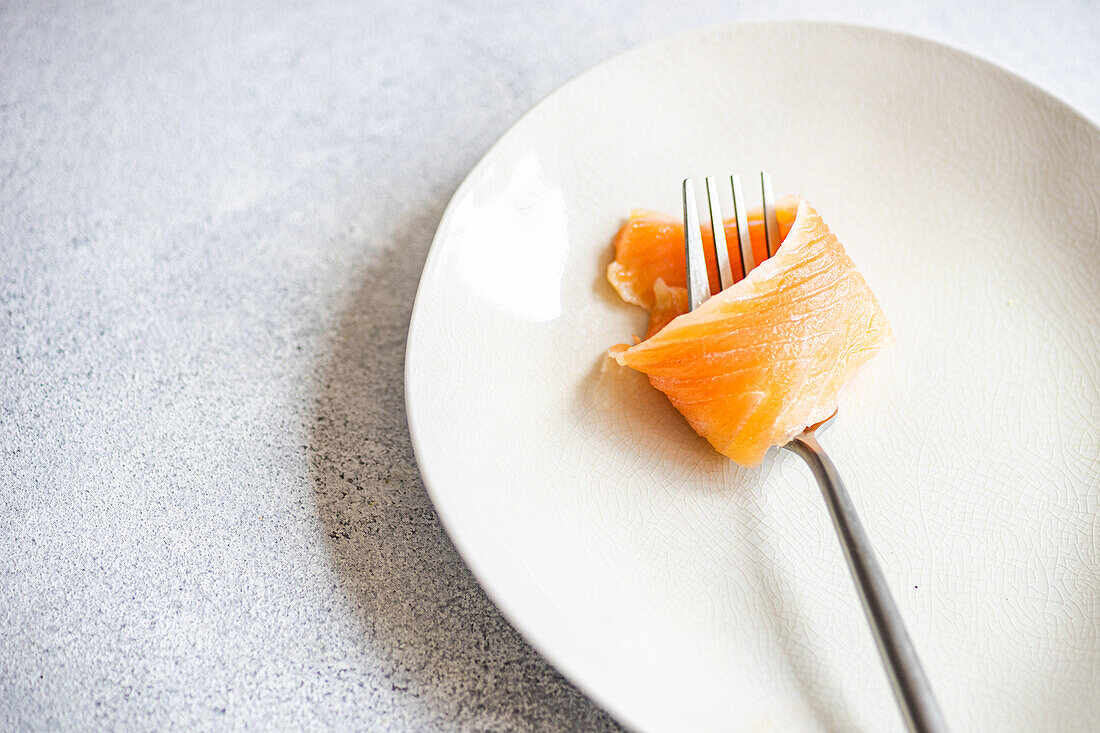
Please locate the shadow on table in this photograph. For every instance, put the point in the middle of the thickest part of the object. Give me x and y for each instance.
(445, 648)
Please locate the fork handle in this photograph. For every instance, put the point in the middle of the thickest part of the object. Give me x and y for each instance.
(914, 695)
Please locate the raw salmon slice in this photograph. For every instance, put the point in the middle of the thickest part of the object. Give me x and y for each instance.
(650, 247)
(760, 361)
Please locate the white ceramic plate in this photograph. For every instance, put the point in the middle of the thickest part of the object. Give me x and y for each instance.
(682, 592)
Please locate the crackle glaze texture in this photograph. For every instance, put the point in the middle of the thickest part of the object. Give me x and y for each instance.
(686, 593)
(213, 218)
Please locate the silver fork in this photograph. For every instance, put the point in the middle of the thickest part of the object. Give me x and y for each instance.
(911, 688)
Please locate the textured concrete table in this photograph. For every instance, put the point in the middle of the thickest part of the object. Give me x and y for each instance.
(212, 221)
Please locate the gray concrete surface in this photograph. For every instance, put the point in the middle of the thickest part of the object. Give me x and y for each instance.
(212, 220)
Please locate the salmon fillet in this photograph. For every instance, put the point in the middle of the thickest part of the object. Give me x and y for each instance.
(757, 363)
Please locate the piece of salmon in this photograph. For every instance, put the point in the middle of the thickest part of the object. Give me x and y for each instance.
(650, 247)
(756, 364)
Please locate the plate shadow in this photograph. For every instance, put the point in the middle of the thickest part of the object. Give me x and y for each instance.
(444, 646)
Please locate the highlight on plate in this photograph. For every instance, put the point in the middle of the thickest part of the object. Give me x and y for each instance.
(758, 362)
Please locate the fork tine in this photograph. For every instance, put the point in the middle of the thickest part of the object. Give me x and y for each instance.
(771, 223)
(718, 235)
(697, 281)
(740, 211)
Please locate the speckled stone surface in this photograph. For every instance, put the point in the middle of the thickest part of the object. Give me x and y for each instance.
(212, 221)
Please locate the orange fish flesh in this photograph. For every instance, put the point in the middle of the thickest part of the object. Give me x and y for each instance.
(650, 246)
(755, 364)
